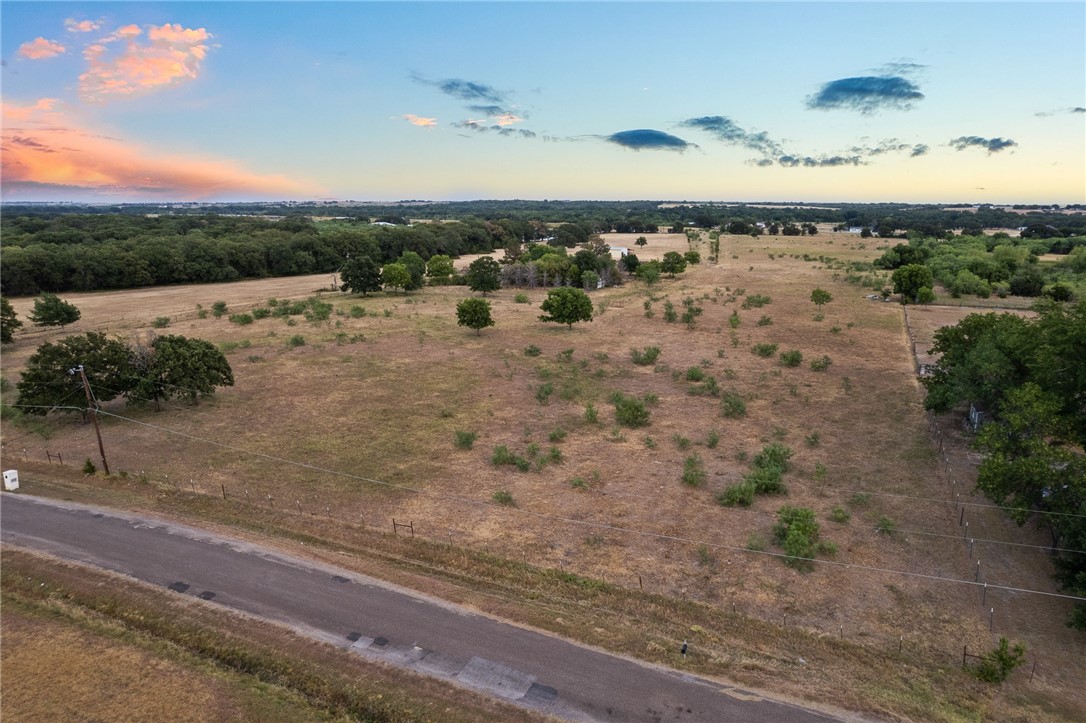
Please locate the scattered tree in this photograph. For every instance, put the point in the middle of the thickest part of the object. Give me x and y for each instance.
(641, 241)
(396, 276)
(360, 275)
(566, 305)
(176, 367)
(48, 380)
(9, 322)
(474, 313)
(673, 263)
(484, 275)
(909, 279)
(51, 310)
(820, 297)
(440, 269)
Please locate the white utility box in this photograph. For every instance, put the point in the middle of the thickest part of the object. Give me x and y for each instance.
(11, 479)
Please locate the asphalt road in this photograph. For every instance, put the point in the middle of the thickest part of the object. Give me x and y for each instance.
(382, 622)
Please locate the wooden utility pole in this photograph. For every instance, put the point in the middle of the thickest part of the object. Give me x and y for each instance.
(92, 406)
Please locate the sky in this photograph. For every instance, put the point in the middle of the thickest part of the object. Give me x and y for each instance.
(924, 102)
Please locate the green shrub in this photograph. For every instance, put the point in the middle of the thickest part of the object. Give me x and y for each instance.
(543, 393)
(521, 299)
(765, 481)
(732, 405)
(712, 439)
(532, 350)
(860, 499)
(503, 497)
(646, 356)
(591, 415)
(357, 312)
(791, 358)
(579, 483)
(161, 322)
(88, 467)
(741, 494)
(465, 440)
(773, 456)
(670, 315)
(557, 435)
(797, 533)
(1000, 662)
(695, 374)
(261, 312)
(241, 319)
(764, 350)
(765, 321)
(885, 526)
(296, 341)
(813, 439)
(680, 441)
(840, 515)
(218, 309)
(630, 411)
(756, 542)
(756, 301)
(821, 364)
(733, 320)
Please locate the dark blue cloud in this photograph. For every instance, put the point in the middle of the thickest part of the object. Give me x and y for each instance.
(646, 139)
(463, 89)
(1049, 113)
(891, 146)
(992, 145)
(728, 131)
(493, 111)
(500, 130)
(866, 94)
(823, 162)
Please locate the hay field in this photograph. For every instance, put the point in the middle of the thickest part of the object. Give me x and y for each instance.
(357, 427)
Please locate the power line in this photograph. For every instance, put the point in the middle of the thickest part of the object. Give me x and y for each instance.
(599, 525)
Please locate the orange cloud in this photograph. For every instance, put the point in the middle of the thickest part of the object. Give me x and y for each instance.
(40, 48)
(80, 26)
(59, 159)
(172, 55)
(507, 119)
(419, 121)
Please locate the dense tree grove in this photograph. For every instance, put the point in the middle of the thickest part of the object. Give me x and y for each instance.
(83, 248)
(1029, 375)
(142, 371)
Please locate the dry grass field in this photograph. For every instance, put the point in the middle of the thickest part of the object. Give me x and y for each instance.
(356, 427)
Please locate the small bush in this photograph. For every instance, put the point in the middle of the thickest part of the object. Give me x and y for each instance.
(591, 414)
(732, 405)
(670, 315)
(88, 467)
(885, 526)
(695, 374)
(645, 357)
(764, 350)
(860, 499)
(712, 439)
(741, 494)
(161, 322)
(1000, 662)
(578, 483)
(680, 441)
(765, 321)
(791, 358)
(465, 440)
(502, 497)
(532, 350)
(756, 542)
(756, 301)
(840, 515)
(821, 364)
(557, 435)
(813, 439)
(797, 533)
(630, 411)
(733, 320)
(296, 341)
(241, 319)
(543, 393)
(218, 309)
(261, 312)
(565, 355)
(521, 299)
(357, 312)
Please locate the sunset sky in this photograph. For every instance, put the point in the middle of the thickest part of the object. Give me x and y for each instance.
(234, 101)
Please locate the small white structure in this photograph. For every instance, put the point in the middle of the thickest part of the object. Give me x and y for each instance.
(11, 479)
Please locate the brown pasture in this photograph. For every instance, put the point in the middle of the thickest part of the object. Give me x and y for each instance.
(359, 428)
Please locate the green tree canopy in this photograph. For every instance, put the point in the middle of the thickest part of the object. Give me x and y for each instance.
(9, 322)
(360, 275)
(176, 367)
(51, 310)
(474, 313)
(396, 276)
(484, 275)
(440, 269)
(47, 381)
(566, 305)
(673, 263)
(909, 279)
(820, 297)
(416, 267)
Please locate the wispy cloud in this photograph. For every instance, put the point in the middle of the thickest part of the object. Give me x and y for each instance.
(172, 54)
(891, 146)
(420, 121)
(992, 145)
(867, 94)
(822, 162)
(1078, 109)
(648, 139)
(468, 90)
(44, 153)
(81, 26)
(40, 49)
(480, 126)
(727, 131)
(501, 115)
